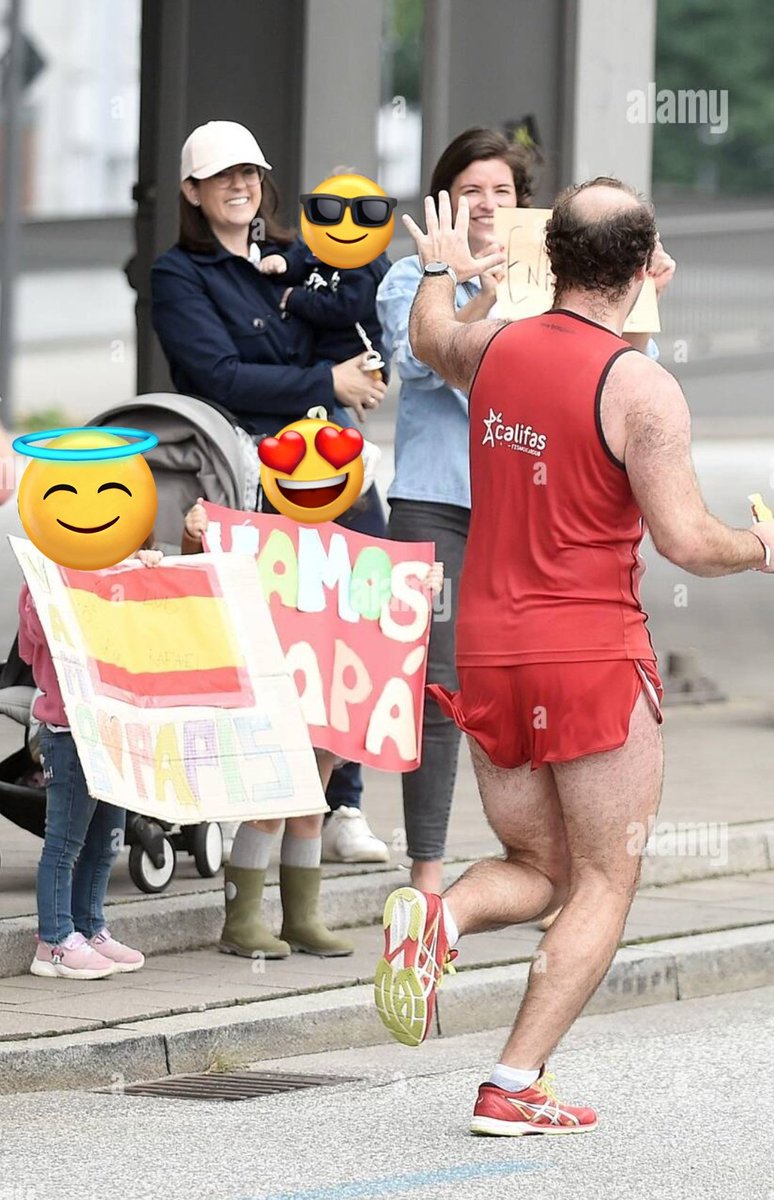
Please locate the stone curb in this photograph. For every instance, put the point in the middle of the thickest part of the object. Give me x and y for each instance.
(340, 1018)
(172, 924)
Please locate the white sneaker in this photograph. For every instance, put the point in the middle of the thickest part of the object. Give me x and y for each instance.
(347, 838)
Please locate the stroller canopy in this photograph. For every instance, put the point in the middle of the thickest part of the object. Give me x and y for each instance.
(201, 452)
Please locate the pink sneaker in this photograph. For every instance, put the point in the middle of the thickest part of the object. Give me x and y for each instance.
(123, 958)
(73, 958)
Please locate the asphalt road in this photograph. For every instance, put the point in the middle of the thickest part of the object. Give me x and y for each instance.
(682, 1090)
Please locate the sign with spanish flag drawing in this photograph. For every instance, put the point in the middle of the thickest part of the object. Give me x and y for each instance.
(176, 688)
(353, 617)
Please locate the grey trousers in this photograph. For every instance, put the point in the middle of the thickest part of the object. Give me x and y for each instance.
(428, 791)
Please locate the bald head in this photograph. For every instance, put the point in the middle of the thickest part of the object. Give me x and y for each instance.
(593, 201)
(600, 233)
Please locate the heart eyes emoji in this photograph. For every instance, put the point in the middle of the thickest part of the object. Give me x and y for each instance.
(313, 470)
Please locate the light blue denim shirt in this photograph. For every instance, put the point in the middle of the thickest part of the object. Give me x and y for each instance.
(431, 436)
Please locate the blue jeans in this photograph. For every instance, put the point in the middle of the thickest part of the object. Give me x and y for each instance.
(82, 841)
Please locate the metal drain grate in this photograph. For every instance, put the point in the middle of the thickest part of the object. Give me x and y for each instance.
(236, 1085)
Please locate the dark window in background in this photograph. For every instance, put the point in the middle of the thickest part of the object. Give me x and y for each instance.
(706, 45)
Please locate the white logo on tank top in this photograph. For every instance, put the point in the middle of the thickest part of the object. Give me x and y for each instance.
(515, 437)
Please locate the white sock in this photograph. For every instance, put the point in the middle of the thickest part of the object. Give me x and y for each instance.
(300, 852)
(450, 925)
(252, 848)
(511, 1078)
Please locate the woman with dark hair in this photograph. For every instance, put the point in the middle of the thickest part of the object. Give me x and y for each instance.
(430, 494)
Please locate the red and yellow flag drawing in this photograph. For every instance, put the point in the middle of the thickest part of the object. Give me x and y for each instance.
(176, 689)
(159, 637)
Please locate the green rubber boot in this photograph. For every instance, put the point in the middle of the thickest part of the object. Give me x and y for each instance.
(302, 924)
(244, 932)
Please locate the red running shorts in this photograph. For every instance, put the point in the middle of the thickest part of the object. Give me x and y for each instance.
(549, 712)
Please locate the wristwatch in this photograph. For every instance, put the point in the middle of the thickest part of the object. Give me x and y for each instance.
(434, 269)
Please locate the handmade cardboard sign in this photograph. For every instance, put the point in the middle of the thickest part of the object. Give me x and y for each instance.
(527, 290)
(176, 689)
(353, 618)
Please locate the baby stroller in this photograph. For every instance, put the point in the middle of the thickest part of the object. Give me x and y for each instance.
(201, 452)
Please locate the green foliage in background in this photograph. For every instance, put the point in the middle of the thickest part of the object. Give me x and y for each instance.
(706, 44)
(404, 33)
(47, 418)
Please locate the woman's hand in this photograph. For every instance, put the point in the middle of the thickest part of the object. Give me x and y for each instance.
(480, 306)
(273, 264)
(662, 268)
(355, 388)
(448, 242)
(150, 558)
(495, 275)
(196, 521)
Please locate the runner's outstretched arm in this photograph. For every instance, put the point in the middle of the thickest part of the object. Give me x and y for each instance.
(662, 477)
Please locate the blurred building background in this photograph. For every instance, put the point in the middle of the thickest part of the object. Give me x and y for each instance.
(110, 90)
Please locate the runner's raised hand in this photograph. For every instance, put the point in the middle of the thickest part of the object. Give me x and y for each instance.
(447, 240)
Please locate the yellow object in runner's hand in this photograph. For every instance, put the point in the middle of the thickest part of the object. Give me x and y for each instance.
(760, 511)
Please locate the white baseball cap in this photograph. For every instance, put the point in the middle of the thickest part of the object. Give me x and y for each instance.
(217, 145)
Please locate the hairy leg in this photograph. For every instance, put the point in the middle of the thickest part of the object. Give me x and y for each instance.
(606, 799)
(522, 806)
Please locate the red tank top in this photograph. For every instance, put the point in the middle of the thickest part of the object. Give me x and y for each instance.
(552, 564)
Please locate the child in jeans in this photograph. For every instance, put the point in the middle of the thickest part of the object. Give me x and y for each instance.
(83, 835)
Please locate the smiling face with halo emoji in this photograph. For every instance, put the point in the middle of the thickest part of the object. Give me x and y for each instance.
(347, 220)
(88, 515)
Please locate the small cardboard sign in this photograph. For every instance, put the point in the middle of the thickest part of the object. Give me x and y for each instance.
(527, 290)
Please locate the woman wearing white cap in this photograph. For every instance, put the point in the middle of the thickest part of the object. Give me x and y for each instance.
(220, 325)
(217, 318)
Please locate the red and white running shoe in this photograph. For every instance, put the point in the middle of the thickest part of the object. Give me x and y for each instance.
(535, 1109)
(416, 955)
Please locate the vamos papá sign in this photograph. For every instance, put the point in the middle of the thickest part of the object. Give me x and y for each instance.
(353, 618)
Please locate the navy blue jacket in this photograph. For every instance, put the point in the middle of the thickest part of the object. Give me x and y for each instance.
(220, 327)
(332, 300)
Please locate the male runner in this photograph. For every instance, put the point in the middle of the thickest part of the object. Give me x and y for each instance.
(574, 439)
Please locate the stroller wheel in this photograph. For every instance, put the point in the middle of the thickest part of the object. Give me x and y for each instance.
(145, 875)
(207, 848)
